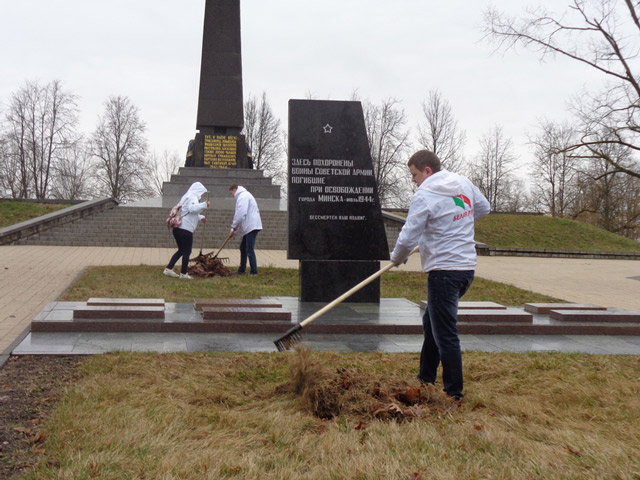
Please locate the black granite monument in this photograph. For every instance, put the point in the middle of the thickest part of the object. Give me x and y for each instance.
(220, 103)
(335, 221)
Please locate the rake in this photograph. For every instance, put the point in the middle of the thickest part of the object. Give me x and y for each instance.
(222, 259)
(294, 336)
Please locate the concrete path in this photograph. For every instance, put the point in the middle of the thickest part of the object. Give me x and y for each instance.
(32, 276)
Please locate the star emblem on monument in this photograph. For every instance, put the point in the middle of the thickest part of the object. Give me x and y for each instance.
(327, 128)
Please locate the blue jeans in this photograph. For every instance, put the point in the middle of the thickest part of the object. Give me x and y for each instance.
(184, 239)
(247, 250)
(441, 342)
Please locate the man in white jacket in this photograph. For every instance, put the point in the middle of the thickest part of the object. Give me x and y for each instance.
(247, 223)
(441, 221)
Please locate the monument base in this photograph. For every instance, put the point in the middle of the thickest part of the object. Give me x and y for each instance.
(326, 280)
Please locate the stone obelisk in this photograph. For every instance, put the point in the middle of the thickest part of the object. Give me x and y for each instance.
(218, 143)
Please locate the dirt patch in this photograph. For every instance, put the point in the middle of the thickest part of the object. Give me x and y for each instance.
(30, 386)
(358, 395)
(206, 266)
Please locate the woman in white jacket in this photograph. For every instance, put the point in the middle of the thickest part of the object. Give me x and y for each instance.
(190, 210)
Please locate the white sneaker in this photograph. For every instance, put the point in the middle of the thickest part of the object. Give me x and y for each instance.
(170, 273)
(186, 276)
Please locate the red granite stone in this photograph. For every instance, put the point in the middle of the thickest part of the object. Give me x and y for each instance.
(235, 302)
(118, 312)
(244, 313)
(494, 316)
(472, 305)
(125, 302)
(545, 308)
(595, 316)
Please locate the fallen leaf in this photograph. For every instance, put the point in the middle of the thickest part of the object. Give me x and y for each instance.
(478, 406)
(478, 427)
(571, 450)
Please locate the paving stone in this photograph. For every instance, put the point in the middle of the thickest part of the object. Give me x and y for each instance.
(617, 316)
(236, 302)
(545, 308)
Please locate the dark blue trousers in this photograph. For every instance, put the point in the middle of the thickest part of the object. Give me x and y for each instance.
(440, 325)
(247, 250)
(184, 239)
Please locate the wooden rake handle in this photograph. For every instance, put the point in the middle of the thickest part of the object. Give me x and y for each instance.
(222, 246)
(350, 292)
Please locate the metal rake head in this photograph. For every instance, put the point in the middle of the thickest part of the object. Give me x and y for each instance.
(292, 337)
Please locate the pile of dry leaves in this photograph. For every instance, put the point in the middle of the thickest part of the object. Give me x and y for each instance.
(351, 393)
(206, 265)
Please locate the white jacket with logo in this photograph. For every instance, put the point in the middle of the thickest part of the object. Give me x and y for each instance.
(441, 221)
(247, 216)
(191, 207)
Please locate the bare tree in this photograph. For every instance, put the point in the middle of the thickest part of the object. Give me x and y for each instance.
(602, 34)
(119, 148)
(42, 121)
(554, 171)
(72, 178)
(388, 143)
(9, 181)
(493, 169)
(264, 137)
(609, 199)
(439, 132)
(162, 167)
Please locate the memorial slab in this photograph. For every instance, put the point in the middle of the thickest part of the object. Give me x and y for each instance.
(119, 312)
(244, 313)
(125, 302)
(333, 203)
(235, 302)
(595, 316)
(545, 308)
(494, 316)
(471, 305)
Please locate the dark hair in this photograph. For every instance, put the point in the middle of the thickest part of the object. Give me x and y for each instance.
(233, 187)
(424, 158)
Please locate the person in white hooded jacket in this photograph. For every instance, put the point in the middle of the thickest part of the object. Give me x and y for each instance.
(441, 222)
(190, 210)
(246, 223)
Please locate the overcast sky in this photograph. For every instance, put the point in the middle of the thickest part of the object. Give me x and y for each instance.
(149, 50)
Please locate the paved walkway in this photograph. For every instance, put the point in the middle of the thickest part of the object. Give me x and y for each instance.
(32, 276)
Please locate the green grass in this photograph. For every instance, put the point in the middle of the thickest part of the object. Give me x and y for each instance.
(148, 282)
(12, 212)
(540, 232)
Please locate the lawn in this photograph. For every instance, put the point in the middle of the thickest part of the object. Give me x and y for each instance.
(310, 415)
(15, 212)
(146, 282)
(542, 232)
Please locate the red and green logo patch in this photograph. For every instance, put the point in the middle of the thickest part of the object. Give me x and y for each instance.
(461, 201)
